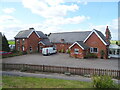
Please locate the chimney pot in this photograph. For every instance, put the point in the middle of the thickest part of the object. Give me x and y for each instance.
(31, 28)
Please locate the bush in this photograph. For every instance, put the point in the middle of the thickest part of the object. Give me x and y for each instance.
(103, 82)
(62, 51)
(68, 51)
(59, 51)
(24, 52)
(91, 55)
(102, 54)
(16, 53)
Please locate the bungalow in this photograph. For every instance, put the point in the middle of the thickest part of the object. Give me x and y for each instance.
(81, 43)
(31, 41)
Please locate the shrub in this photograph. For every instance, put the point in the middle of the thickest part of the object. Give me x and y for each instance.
(68, 51)
(59, 51)
(62, 51)
(102, 53)
(24, 52)
(91, 55)
(15, 51)
(103, 82)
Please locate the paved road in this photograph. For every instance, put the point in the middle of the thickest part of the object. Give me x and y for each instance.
(46, 75)
(49, 75)
(63, 60)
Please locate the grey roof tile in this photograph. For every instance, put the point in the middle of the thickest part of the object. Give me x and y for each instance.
(23, 34)
(69, 37)
(46, 42)
(26, 33)
(82, 44)
(41, 34)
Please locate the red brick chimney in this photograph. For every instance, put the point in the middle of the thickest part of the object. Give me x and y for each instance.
(108, 34)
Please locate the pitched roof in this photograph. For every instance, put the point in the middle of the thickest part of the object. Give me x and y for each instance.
(27, 33)
(69, 37)
(23, 34)
(41, 34)
(81, 44)
(46, 42)
(100, 35)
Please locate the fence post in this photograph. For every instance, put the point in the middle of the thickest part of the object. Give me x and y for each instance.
(43, 68)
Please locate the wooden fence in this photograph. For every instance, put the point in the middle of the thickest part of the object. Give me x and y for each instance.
(61, 69)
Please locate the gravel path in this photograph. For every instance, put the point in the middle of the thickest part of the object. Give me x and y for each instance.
(63, 60)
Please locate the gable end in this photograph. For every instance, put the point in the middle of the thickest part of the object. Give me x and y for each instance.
(97, 35)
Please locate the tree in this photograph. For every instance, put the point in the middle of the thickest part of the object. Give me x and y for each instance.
(116, 43)
(5, 45)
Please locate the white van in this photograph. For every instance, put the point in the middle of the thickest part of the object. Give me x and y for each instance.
(49, 51)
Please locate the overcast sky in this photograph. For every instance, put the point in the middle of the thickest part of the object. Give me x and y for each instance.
(51, 16)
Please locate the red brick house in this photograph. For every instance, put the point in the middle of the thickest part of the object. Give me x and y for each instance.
(81, 43)
(31, 41)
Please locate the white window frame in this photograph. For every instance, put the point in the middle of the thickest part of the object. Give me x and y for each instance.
(76, 51)
(30, 49)
(40, 47)
(92, 50)
(23, 48)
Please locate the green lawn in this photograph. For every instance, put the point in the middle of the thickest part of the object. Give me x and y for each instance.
(31, 82)
(11, 42)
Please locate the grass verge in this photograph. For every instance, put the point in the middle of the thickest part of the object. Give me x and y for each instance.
(32, 82)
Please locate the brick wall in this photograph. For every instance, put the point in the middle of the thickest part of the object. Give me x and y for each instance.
(81, 53)
(61, 46)
(32, 42)
(94, 41)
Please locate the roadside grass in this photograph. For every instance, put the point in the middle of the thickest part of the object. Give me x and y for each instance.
(32, 82)
(11, 42)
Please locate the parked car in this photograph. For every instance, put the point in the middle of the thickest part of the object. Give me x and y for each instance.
(49, 51)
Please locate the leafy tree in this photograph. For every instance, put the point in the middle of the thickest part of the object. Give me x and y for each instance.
(116, 43)
(5, 45)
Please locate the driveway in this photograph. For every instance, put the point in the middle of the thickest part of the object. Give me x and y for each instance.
(63, 60)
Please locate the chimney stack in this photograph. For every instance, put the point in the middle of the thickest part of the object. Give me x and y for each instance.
(108, 34)
(31, 28)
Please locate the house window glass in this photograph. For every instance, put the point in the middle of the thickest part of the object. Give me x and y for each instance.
(23, 41)
(30, 49)
(93, 50)
(18, 42)
(23, 48)
(41, 47)
(76, 51)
